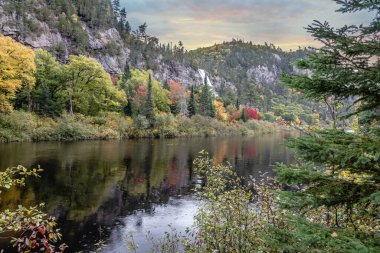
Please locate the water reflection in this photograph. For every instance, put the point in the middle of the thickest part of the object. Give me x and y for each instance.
(105, 189)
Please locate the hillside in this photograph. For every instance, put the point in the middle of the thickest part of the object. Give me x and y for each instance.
(237, 70)
(252, 71)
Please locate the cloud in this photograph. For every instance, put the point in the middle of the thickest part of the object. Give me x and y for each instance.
(205, 22)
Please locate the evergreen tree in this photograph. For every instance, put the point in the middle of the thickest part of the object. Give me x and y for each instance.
(149, 104)
(116, 7)
(166, 85)
(126, 76)
(237, 104)
(207, 101)
(204, 107)
(192, 104)
(244, 116)
(122, 19)
(212, 108)
(127, 27)
(338, 177)
(128, 108)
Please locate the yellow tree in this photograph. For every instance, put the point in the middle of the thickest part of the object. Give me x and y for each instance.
(17, 69)
(221, 113)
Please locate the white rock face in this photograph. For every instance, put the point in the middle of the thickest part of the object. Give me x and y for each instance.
(48, 39)
(262, 74)
(178, 73)
(99, 39)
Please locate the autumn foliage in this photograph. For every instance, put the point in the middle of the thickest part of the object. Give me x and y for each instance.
(251, 113)
(221, 113)
(16, 70)
(234, 116)
(176, 91)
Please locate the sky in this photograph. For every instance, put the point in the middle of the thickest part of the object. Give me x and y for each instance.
(200, 23)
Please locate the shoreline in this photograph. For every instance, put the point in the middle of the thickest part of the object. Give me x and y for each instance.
(28, 127)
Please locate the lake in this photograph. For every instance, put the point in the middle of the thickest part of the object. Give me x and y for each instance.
(106, 190)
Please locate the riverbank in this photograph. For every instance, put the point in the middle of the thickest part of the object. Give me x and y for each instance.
(21, 126)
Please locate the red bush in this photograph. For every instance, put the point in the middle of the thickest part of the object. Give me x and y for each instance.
(251, 113)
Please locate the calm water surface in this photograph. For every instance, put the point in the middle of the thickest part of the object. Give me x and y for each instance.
(105, 190)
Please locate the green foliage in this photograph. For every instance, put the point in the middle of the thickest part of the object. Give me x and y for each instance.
(269, 116)
(230, 60)
(37, 231)
(336, 184)
(88, 88)
(233, 60)
(342, 55)
(149, 103)
(206, 106)
(24, 126)
(49, 77)
(239, 214)
(192, 103)
(126, 76)
(227, 220)
(166, 85)
(16, 176)
(167, 125)
(139, 80)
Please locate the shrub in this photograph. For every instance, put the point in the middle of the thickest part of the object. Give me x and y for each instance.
(167, 125)
(141, 122)
(75, 127)
(269, 116)
(251, 113)
(37, 232)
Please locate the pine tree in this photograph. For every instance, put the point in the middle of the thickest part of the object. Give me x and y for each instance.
(237, 104)
(149, 104)
(116, 7)
(166, 85)
(122, 19)
(212, 111)
(128, 108)
(338, 177)
(244, 116)
(126, 76)
(206, 100)
(127, 27)
(192, 104)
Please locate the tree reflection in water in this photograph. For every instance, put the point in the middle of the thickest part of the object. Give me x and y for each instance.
(97, 188)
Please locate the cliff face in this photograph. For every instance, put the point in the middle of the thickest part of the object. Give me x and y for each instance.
(50, 39)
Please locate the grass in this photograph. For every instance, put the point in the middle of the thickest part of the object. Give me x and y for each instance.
(22, 126)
